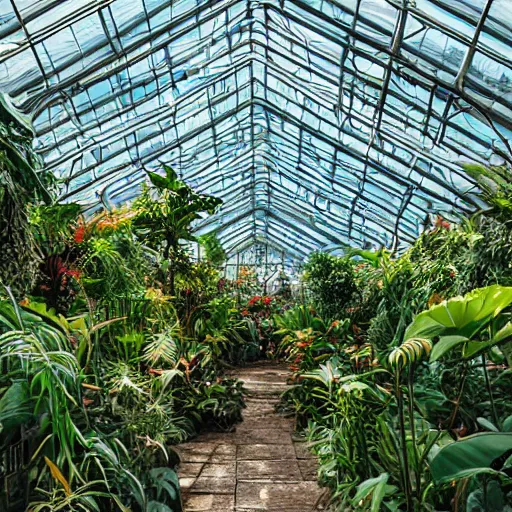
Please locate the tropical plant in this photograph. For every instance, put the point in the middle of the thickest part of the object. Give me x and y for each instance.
(219, 325)
(164, 215)
(306, 348)
(331, 281)
(21, 182)
(215, 253)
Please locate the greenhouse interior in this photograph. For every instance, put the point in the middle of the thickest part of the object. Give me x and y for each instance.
(255, 255)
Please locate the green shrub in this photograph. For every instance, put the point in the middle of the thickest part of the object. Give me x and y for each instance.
(331, 282)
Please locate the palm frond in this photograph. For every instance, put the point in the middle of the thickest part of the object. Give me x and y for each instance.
(162, 348)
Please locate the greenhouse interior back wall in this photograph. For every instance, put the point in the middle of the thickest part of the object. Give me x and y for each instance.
(255, 255)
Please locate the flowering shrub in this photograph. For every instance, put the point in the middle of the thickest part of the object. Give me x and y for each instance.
(246, 284)
(259, 303)
(308, 340)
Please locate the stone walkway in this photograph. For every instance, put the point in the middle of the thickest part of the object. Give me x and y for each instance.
(259, 467)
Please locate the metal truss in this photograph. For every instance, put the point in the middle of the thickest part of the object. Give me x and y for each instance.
(319, 122)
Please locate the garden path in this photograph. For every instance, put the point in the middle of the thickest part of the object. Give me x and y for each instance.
(261, 466)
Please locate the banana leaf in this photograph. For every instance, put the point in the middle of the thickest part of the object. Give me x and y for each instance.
(473, 455)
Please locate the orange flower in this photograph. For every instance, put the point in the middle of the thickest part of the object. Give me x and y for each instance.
(440, 223)
(104, 224)
(79, 235)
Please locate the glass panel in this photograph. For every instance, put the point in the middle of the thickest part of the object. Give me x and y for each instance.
(318, 122)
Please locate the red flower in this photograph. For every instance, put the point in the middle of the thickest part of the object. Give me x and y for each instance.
(75, 274)
(79, 235)
(245, 312)
(254, 300)
(267, 300)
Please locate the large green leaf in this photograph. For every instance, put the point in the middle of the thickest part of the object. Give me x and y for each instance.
(15, 408)
(445, 344)
(171, 174)
(481, 453)
(377, 487)
(158, 181)
(166, 481)
(461, 316)
(156, 506)
(491, 499)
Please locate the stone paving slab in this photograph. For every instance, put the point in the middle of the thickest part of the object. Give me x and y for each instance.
(260, 466)
(198, 452)
(190, 469)
(264, 404)
(219, 470)
(265, 452)
(262, 436)
(210, 503)
(308, 469)
(289, 497)
(214, 485)
(302, 451)
(257, 423)
(273, 470)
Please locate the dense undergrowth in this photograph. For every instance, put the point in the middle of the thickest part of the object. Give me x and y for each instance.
(114, 346)
(113, 342)
(402, 366)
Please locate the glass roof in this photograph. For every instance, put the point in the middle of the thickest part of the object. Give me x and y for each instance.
(317, 121)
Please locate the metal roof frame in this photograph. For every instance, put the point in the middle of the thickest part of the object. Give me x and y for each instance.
(318, 122)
